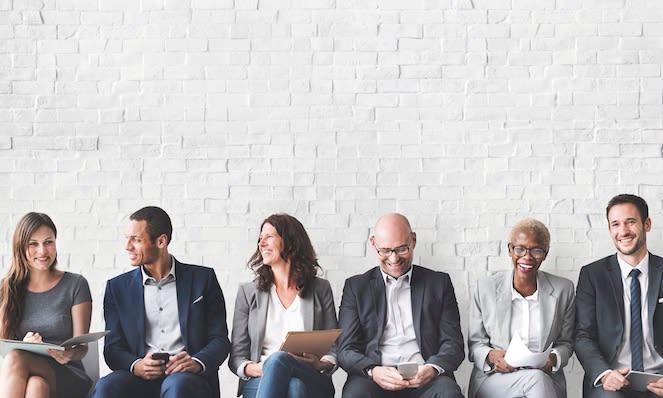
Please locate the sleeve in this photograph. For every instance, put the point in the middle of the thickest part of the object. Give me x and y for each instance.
(563, 345)
(116, 348)
(329, 320)
(478, 340)
(351, 342)
(81, 290)
(240, 349)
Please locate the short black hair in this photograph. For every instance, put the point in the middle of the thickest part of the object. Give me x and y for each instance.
(158, 222)
(627, 198)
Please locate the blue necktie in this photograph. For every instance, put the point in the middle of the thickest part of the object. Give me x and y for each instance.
(636, 322)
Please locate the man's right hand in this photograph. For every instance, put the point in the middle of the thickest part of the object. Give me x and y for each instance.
(615, 380)
(150, 369)
(388, 378)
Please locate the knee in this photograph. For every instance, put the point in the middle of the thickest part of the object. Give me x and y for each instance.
(446, 387)
(278, 358)
(15, 361)
(184, 385)
(539, 377)
(102, 388)
(37, 387)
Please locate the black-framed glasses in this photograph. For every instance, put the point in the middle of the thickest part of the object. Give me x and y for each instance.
(400, 250)
(521, 251)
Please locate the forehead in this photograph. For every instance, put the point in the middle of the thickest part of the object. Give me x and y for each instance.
(526, 237)
(391, 237)
(268, 228)
(623, 211)
(43, 232)
(136, 228)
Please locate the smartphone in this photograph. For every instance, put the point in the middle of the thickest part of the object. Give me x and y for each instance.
(161, 355)
(408, 369)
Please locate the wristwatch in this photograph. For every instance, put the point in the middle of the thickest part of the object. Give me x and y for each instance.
(369, 371)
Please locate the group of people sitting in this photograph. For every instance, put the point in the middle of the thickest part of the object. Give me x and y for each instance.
(168, 332)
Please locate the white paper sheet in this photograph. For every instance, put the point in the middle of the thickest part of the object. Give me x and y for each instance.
(42, 348)
(519, 356)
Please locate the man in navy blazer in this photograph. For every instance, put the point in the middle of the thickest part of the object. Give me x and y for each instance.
(399, 312)
(167, 307)
(604, 335)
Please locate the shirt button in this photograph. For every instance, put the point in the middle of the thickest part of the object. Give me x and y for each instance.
(163, 331)
(160, 308)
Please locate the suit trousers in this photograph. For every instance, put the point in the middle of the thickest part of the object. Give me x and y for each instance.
(122, 383)
(599, 392)
(363, 387)
(525, 383)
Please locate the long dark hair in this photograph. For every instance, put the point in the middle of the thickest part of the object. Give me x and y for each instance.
(14, 285)
(297, 249)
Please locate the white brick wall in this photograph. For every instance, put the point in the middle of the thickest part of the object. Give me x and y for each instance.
(465, 115)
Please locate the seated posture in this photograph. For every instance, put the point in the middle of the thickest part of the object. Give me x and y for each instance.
(167, 320)
(285, 296)
(533, 305)
(399, 312)
(39, 303)
(619, 313)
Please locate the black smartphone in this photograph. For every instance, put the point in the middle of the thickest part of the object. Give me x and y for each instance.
(161, 355)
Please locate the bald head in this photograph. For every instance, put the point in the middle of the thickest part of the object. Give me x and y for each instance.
(393, 235)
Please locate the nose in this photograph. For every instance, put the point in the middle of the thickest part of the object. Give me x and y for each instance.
(393, 253)
(128, 245)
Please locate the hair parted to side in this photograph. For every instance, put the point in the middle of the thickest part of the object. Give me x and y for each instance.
(534, 226)
(297, 250)
(158, 222)
(627, 198)
(14, 285)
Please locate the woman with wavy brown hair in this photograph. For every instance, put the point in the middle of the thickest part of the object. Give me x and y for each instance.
(285, 296)
(39, 303)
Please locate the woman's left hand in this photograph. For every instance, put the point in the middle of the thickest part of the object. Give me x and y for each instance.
(314, 361)
(64, 357)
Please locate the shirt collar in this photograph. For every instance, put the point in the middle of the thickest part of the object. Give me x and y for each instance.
(406, 278)
(626, 268)
(534, 297)
(147, 276)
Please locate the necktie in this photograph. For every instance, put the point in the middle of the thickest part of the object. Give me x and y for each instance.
(636, 322)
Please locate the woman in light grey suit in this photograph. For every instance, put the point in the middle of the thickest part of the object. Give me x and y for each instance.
(536, 306)
(285, 296)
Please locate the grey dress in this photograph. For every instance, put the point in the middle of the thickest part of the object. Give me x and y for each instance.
(49, 314)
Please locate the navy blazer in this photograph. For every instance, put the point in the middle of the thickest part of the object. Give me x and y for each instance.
(202, 321)
(363, 314)
(600, 314)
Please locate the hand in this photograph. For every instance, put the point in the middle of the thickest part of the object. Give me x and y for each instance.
(552, 360)
(496, 357)
(615, 380)
(182, 362)
(313, 361)
(32, 337)
(150, 369)
(253, 369)
(656, 387)
(66, 356)
(388, 378)
(424, 375)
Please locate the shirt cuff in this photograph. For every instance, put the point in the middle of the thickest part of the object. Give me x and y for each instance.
(240, 370)
(329, 358)
(131, 368)
(201, 364)
(439, 369)
(597, 382)
(558, 361)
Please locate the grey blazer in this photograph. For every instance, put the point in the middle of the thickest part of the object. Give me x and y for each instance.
(249, 319)
(490, 321)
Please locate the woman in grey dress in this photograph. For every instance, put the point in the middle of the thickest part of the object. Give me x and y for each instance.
(40, 303)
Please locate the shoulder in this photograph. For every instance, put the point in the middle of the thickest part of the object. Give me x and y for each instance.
(429, 275)
(598, 264)
(558, 282)
(123, 277)
(74, 279)
(361, 279)
(493, 280)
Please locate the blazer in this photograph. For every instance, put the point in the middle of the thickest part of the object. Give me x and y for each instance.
(490, 321)
(363, 314)
(600, 314)
(202, 317)
(250, 317)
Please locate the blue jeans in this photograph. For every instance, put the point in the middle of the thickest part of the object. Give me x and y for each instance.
(304, 380)
(122, 383)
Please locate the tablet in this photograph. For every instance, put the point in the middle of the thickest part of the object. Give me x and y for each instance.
(315, 342)
(638, 380)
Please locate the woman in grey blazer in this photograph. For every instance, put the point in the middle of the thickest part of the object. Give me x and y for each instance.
(536, 306)
(285, 296)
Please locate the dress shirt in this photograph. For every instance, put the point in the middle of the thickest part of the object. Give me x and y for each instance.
(279, 322)
(399, 341)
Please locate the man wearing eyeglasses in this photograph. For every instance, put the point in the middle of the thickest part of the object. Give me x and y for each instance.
(619, 308)
(399, 313)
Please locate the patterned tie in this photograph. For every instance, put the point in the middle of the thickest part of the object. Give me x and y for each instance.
(636, 322)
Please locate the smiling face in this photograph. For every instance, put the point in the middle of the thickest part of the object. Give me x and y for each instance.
(140, 248)
(527, 264)
(41, 251)
(393, 232)
(628, 232)
(270, 244)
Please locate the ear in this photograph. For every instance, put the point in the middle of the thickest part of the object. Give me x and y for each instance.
(414, 240)
(372, 240)
(162, 241)
(647, 224)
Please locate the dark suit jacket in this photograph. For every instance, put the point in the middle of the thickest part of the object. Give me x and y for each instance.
(203, 323)
(600, 314)
(363, 313)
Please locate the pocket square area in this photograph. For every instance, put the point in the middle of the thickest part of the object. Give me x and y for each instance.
(197, 300)
(660, 300)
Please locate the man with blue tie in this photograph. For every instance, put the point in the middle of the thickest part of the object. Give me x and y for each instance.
(163, 306)
(399, 312)
(619, 307)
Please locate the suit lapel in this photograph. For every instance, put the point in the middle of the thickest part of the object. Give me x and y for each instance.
(262, 304)
(548, 300)
(183, 283)
(653, 288)
(307, 310)
(137, 299)
(379, 299)
(417, 290)
(616, 287)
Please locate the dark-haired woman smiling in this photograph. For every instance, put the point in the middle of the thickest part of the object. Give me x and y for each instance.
(285, 296)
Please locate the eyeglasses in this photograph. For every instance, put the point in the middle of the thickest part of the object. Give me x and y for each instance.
(521, 251)
(400, 250)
